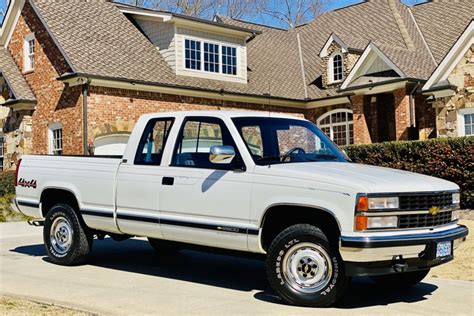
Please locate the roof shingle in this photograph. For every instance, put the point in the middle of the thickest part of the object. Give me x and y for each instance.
(13, 77)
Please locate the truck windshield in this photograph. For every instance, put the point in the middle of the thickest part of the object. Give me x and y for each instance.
(280, 140)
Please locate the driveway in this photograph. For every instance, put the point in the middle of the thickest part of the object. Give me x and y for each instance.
(128, 278)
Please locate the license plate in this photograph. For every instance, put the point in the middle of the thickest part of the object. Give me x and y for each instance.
(443, 249)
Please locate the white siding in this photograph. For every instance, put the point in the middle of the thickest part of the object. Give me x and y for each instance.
(163, 36)
(378, 66)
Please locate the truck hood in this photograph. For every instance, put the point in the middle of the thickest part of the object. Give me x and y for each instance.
(367, 179)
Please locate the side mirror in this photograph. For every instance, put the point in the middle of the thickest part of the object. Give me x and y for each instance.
(221, 154)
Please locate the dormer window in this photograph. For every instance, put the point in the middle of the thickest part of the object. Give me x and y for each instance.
(193, 54)
(29, 52)
(210, 57)
(336, 68)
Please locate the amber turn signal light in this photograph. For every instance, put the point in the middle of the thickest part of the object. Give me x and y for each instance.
(361, 222)
(362, 203)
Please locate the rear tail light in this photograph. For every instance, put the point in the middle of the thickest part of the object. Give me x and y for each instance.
(16, 172)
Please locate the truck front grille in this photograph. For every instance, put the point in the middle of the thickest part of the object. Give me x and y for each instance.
(424, 220)
(425, 201)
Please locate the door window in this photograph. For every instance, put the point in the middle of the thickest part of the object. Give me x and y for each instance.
(197, 137)
(153, 141)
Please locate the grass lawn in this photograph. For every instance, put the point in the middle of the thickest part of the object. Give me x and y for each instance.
(10, 306)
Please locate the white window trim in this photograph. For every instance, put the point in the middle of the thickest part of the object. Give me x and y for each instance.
(26, 54)
(51, 128)
(331, 125)
(331, 68)
(461, 122)
(220, 44)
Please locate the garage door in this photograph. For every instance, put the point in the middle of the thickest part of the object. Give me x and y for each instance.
(111, 145)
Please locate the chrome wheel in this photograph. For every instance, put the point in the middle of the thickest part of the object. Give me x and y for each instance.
(307, 267)
(61, 235)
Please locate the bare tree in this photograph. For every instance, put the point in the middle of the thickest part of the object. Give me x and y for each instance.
(236, 9)
(293, 12)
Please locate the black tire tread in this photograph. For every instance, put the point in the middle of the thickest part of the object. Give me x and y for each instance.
(83, 238)
(299, 229)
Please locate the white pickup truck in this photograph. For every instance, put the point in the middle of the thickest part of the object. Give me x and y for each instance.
(253, 182)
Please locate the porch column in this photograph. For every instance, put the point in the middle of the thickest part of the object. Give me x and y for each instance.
(402, 113)
(361, 130)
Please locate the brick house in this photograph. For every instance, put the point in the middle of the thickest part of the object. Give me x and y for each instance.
(76, 75)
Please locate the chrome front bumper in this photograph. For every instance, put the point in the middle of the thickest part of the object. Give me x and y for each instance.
(383, 248)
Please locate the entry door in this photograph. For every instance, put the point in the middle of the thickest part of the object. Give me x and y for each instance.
(201, 202)
(139, 182)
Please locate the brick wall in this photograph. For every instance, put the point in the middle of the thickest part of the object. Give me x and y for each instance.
(55, 102)
(361, 130)
(117, 110)
(402, 113)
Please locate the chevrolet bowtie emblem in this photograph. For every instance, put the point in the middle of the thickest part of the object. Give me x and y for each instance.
(434, 210)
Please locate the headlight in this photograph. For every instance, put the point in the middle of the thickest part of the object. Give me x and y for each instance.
(455, 215)
(378, 203)
(456, 198)
(382, 222)
(376, 222)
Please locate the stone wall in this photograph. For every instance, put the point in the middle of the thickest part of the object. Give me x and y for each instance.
(447, 108)
(349, 60)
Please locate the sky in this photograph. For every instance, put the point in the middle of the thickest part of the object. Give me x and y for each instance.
(334, 4)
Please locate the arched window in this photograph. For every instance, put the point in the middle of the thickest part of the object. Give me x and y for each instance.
(336, 68)
(338, 125)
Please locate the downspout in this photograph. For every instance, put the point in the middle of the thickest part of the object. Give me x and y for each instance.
(412, 104)
(85, 91)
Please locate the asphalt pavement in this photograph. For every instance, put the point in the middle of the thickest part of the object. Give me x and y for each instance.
(128, 278)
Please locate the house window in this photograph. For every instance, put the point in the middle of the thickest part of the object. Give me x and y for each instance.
(229, 60)
(216, 58)
(466, 122)
(55, 135)
(338, 125)
(211, 57)
(29, 52)
(336, 68)
(193, 54)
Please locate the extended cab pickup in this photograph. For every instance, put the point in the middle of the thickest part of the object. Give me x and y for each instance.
(259, 183)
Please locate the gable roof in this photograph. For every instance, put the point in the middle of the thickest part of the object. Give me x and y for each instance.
(98, 40)
(452, 59)
(14, 79)
(371, 55)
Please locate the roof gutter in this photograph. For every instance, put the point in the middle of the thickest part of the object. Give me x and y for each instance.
(74, 79)
(381, 83)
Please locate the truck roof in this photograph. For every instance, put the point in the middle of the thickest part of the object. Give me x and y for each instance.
(221, 114)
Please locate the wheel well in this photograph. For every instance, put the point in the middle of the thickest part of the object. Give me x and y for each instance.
(278, 218)
(51, 197)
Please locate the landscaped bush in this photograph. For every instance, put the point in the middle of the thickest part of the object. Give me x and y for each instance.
(7, 183)
(447, 158)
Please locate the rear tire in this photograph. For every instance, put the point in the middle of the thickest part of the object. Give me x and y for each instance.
(163, 247)
(303, 269)
(401, 280)
(67, 239)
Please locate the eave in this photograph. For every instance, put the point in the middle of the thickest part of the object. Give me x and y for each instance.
(18, 105)
(382, 86)
(74, 79)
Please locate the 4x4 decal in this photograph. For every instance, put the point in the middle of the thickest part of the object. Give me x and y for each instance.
(27, 184)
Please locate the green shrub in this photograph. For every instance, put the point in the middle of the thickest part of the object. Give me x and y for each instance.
(7, 183)
(447, 158)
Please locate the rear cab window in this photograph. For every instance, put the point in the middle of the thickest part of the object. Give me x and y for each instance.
(153, 141)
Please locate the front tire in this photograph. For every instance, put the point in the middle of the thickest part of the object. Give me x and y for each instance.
(303, 269)
(68, 241)
(401, 280)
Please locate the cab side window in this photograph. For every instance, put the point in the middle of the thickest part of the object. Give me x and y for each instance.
(197, 137)
(153, 141)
